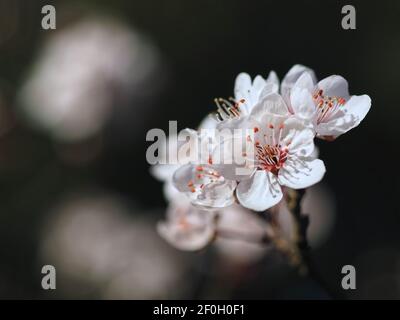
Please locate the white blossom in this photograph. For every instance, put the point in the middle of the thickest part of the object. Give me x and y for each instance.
(279, 153)
(327, 105)
(187, 227)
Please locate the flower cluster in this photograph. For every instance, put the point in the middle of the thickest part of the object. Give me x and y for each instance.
(284, 119)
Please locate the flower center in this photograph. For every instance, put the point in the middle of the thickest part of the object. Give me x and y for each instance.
(326, 106)
(227, 109)
(271, 158)
(202, 177)
(272, 155)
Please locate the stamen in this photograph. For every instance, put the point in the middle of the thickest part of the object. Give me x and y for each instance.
(227, 109)
(272, 155)
(327, 106)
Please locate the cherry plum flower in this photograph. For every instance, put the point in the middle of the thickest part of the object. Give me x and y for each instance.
(281, 154)
(249, 92)
(197, 178)
(334, 111)
(187, 227)
(327, 105)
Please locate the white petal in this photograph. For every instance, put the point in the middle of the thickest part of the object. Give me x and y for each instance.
(242, 86)
(271, 103)
(243, 91)
(302, 103)
(336, 127)
(260, 192)
(301, 138)
(248, 91)
(335, 86)
(271, 85)
(273, 78)
(208, 123)
(306, 81)
(300, 173)
(258, 85)
(170, 192)
(234, 158)
(292, 76)
(358, 106)
(163, 172)
(216, 195)
(315, 153)
(217, 192)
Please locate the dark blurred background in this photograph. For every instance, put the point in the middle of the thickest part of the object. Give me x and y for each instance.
(76, 104)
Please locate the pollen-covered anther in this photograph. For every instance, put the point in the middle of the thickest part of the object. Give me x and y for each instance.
(327, 106)
(227, 109)
(271, 158)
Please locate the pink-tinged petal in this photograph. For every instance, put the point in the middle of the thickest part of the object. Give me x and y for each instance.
(271, 103)
(300, 173)
(335, 86)
(358, 106)
(260, 192)
(292, 76)
(237, 219)
(187, 227)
